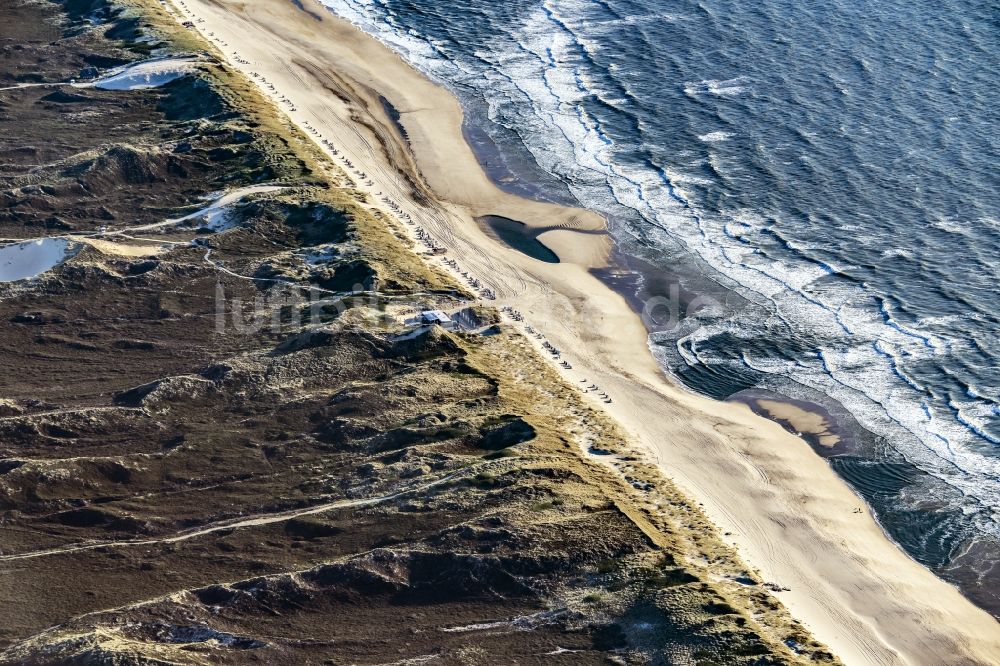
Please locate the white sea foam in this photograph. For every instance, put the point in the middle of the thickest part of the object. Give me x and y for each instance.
(951, 226)
(990, 222)
(729, 88)
(715, 137)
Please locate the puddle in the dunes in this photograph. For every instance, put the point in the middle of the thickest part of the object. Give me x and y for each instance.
(21, 261)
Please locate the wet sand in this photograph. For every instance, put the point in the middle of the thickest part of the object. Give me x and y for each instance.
(789, 515)
(806, 421)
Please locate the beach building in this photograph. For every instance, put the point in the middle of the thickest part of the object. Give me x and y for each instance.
(437, 318)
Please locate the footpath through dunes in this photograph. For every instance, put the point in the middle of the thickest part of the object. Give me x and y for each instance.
(786, 511)
(221, 441)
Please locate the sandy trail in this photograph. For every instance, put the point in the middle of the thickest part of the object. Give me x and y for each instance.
(239, 523)
(790, 516)
(211, 213)
(214, 215)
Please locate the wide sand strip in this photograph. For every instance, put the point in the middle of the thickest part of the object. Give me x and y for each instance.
(789, 515)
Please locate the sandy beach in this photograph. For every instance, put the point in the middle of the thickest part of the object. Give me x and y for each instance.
(781, 505)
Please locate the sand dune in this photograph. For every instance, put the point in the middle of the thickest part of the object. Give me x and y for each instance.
(789, 515)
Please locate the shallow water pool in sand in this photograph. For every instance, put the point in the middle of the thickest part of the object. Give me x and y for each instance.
(519, 236)
(22, 261)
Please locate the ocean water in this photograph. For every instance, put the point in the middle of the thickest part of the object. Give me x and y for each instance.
(820, 180)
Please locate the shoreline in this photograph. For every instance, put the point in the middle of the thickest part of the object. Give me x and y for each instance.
(826, 425)
(792, 518)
